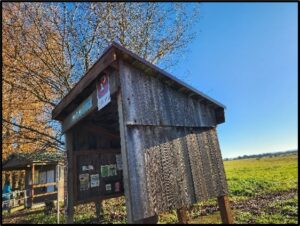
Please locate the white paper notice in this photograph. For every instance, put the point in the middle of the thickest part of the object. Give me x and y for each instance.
(94, 180)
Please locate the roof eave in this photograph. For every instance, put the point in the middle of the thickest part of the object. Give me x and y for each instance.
(180, 82)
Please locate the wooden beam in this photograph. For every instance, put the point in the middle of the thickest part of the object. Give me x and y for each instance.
(44, 194)
(74, 172)
(28, 187)
(97, 151)
(44, 185)
(100, 130)
(106, 59)
(182, 215)
(124, 150)
(32, 182)
(121, 51)
(225, 210)
(84, 109)
(40, 163)
(69, 202)
(148, 220)
(97, 198)
(115, 65)
(99, 209)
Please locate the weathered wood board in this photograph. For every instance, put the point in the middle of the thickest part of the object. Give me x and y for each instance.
(149, 101)
(173, 155)
(165, 132)
(173, 167)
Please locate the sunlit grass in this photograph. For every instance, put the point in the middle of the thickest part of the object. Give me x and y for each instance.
(247, 179)
(250, 177)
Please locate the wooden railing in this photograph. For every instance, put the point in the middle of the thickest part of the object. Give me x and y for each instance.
(20, 197)
(14, 199)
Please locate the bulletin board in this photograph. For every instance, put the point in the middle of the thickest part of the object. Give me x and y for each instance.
(99, 175)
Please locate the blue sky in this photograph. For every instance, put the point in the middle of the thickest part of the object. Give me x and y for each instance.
(245, 56)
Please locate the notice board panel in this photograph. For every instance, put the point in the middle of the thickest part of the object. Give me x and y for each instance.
(97, 175)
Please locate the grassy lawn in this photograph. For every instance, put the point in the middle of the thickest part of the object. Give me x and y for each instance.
(261, 190)
(250, 177)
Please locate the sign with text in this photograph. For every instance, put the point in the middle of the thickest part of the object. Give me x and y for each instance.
(103, 93)
(87, 106)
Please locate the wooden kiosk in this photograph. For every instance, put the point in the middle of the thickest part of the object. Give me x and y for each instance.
(133, 129)
(43, 176)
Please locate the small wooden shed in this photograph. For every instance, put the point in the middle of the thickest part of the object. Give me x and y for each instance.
(132, 128)
(44, 172)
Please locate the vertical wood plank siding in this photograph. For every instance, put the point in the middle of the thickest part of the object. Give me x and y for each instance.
(174, 158)
(150, 101)
(181, 168)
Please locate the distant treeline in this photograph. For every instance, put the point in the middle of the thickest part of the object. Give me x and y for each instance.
(274, 154)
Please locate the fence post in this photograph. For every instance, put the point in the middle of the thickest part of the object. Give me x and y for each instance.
(32, 183)
(99, 209)
(225, 209)
(57, 187)
(182, 215)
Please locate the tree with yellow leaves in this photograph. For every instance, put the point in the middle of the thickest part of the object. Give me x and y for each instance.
(47, 47)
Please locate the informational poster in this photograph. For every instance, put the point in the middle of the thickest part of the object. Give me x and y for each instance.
(112, 170)
(90, 167)
(104, 171)
(119, 161)
(108, 187)
(86, 168)
(103, 93)
(84, 181)
(95, 180)
(109, 170)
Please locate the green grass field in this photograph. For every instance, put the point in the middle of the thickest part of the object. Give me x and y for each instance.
(261, 190)
(250, 177)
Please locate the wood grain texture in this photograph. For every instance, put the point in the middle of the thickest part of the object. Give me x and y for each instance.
(151, 69)
(149, 101)
(69, 179)
(105, 60)
(180, 167)
(225, 210)
(173, 155)
(183, 216)
(170, 151)
(124, 150)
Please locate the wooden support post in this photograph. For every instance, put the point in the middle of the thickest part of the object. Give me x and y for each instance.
(225, 210)
(10, 178)
(149, 220)
(32, 183)
(28, 182)
(99, 209)
(124, 156)
(69, 199)
(58, 190)
(182, 215)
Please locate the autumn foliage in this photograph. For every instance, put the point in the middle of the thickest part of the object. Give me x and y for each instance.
(47, 47)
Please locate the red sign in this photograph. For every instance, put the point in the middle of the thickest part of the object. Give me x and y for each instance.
(103, 94)
(103, 86)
